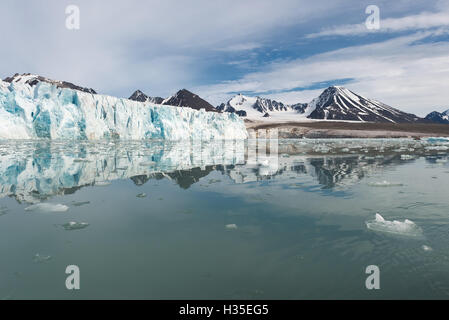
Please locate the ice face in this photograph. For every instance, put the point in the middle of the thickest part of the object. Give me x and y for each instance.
(45, 111)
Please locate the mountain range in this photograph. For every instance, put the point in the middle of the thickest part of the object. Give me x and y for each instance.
(182, 98)
(32, 80)
(334, 103)
(440, 117)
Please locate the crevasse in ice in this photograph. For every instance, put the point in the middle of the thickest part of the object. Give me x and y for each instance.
(44, 111)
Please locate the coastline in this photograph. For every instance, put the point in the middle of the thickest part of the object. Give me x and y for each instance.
(340, 129)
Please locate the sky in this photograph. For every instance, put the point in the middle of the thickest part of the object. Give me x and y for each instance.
(288, 50)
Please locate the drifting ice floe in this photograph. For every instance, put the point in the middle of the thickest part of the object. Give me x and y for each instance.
(47, 207)
(38, 258)
(385, 184)
(75, 225)
(407, 228)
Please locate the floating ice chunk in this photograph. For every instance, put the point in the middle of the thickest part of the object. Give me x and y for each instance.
(39, 259)
(231, 226)
(436, 148)
(406, 228)
(379, 218)
(102, 183)
(437, 139)
(385, 184)
(75, 225)
(47, 207)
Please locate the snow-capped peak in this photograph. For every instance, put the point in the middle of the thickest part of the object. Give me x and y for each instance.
(334, 103)
(440, 117)
(339, 103)
(33, 79)
(255, 108)
(142, 97)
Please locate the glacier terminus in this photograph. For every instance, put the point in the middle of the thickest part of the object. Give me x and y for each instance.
(46, 111)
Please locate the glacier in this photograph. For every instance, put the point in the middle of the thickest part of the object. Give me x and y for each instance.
(45, 111)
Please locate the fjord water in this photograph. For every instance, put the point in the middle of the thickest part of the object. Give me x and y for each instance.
(221, 220)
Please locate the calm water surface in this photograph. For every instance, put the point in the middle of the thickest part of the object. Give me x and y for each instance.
(155, 220)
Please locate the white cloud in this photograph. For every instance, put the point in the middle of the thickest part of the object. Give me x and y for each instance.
(240, 47)
(413, 78)
(424, 20)
(121, 44)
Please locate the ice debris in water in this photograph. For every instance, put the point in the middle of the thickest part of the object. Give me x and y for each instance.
(406, 228)
(38, 258)
(75, 225)
(231, 226)
(385, 184)
(47, 207)
(102, 183)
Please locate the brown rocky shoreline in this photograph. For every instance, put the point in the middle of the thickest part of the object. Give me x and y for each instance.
(337, 129)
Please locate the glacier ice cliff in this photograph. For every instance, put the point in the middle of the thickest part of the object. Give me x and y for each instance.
(44, 111)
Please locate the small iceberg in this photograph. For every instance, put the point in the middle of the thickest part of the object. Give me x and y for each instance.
(39, 259)
(385, 184)
(75, 225)
(47, 207)
(406, 228)
(102, 183)
(231, 226)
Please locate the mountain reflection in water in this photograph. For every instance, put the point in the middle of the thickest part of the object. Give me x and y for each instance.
(34, 171)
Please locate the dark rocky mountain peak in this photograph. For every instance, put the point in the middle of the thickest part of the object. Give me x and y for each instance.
(185, 98)
(32, 80)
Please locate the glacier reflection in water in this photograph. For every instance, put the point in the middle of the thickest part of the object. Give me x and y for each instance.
(34, 171)
(224, 219)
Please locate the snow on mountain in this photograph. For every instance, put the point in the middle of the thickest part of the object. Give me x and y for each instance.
(185, 98)
(44, 109)
(32, 80)
(335, 103)
(440, 117)
(256, 108)
(142, 97)
(338, 103)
